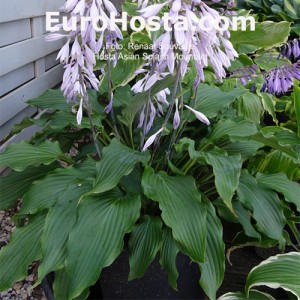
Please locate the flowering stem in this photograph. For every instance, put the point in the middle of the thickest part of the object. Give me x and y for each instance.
(154, 63)
(172, 103)
(146, 119)
(173, 97)
(89, 112)
(174, 135)
(89, 109)
(184, 124)
(110, 98)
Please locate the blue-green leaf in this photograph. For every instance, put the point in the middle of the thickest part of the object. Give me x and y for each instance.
(168, 255)
(280, 183)
(212, 270)
(227, 171)
(266, 207)
(23, 248)
(10, 191)
(144, 244)
(117, 161)
(21, 155)
(96, 240)
(182, 210)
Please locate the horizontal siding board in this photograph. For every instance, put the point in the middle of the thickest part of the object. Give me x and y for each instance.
(50, 60)
(20, 9)
(13, 103)
(20, 54)
(13, 32)
(16, 78)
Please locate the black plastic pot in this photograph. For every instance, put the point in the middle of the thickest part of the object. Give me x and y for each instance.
(154, 284)
(114, 284)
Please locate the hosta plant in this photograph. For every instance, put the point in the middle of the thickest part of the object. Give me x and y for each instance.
(161, 151)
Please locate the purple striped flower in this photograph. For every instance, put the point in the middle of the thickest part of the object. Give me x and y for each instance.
(280, 80)
(291, 49)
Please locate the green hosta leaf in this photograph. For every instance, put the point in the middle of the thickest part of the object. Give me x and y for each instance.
(280, 183)
(140, 37)
(249, 107)
(23, 248)
(211, 100)
(187, 144)
(284, 136)
(241, 62)
(14, 185)
(117, 161)
(244, 217)
(168, 254)
(296, 29)
(212, 270)
(59, 222)
(97, 239)
(253, 295)
(273, 142)
(136, 103)
(266, 207)
(241, 240)
(122, 95)
(235, 129)
(53, 99)
(269, 60)
(269, 105)
(144, 244)
(227, 171)
(278, 161)
(17, 128)
(266, 35)
(21, 155)
(290, 7)
(84, 295)
(54, 185)
(62, 119)
(123, 72)
(277, 271)
(182, 210)
(245, 148)
(297, 106)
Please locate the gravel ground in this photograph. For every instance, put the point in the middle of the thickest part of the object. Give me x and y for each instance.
(23, 289)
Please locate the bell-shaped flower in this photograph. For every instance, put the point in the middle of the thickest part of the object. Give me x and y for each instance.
(200, 116)
(152, 139)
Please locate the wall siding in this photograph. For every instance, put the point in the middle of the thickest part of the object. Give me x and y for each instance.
(28, 65)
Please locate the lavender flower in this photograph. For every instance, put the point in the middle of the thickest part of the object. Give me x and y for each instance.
(280, 80)
(204, 47)
(176, 121)
(80, 60)
(291, 49)
(152, 139)
(277, 81)
(199, 115)
(173, 51)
